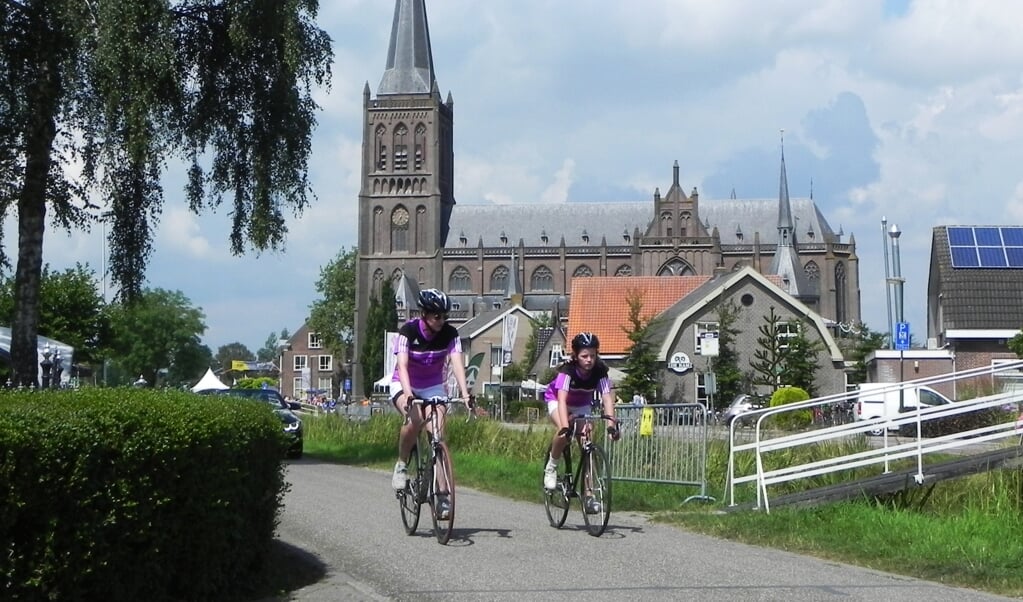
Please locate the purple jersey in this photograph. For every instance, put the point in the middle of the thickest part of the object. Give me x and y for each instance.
(427, 357)
(581, 390)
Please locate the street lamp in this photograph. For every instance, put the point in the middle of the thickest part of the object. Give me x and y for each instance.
(46, 365)
(56, 369)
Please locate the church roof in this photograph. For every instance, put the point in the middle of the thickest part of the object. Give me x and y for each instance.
(737, 221)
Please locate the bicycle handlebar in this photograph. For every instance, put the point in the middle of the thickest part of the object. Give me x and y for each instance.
(444, 401)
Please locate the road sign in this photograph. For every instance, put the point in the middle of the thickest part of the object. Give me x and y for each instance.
(902, 336)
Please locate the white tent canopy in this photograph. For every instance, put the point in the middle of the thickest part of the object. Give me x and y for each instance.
(209, 382)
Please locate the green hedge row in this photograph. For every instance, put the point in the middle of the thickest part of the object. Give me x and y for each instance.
(127, 494)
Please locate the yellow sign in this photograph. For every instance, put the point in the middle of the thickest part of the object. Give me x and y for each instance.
(646, 423)
(239, 365)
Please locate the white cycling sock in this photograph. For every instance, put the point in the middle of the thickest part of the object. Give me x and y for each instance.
(551, 462)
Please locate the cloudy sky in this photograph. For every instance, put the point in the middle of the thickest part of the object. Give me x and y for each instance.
(900, 109)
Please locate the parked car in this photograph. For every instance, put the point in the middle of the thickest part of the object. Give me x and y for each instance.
(291, 423)
(743, 403)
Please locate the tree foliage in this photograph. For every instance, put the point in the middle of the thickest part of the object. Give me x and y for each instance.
(769, 355)
(70, 310)
(730, 379)
(333, 314)
(159, 330)
(227, 354)
(857, 347)
(121, 87)
(802, 356)
(271, 349)
(382, 317)
(641, 362)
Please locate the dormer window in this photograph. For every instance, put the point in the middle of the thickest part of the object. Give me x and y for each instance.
(504, 238)
(738, 232)
(462, 239)
(543, 237)
(626, 237)
(586, 238)
(810, 233)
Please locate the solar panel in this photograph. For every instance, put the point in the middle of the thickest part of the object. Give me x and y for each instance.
(986, 246)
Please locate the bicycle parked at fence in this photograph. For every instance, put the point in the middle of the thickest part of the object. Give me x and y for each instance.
(589, 479)
(431, 479)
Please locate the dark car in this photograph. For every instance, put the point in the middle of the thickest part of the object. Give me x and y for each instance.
(292, 424)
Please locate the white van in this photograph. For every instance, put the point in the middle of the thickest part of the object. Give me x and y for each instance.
(875, 401)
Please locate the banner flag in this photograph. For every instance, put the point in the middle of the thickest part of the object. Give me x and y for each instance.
(511, 327)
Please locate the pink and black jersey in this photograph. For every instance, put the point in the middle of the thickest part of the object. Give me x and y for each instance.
(581, 390)
(427, 356)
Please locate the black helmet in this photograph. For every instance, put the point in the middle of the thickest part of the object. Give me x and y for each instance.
(433, 301)
(585, 340)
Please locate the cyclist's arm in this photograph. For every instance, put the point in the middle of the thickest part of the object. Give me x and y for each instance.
(458, 367)
(403, 377)
(562, 411)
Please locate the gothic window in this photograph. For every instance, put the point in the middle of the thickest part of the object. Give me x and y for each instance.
(813, 275)
(381, 148)
(841, 308)
(543, 279)
(460, 280)
(624, 270)
(378, 281)
(499, 279)
(582, 271)
(420, 157)
(676, 267)
(399, 229)
(401, 147)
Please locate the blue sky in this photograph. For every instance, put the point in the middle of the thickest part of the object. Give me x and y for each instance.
(908, 110)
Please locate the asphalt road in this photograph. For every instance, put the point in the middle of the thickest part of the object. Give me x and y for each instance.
(346, 520)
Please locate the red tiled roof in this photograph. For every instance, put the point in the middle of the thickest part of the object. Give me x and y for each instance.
(601, 304)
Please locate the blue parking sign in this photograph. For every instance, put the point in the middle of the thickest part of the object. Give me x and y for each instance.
(902, 336)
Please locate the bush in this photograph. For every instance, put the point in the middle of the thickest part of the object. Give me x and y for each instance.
(960, 422)
(790, 420)
(127, 494)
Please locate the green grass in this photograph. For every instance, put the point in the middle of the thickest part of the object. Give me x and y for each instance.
(968, 533)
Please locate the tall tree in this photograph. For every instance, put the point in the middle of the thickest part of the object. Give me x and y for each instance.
(641, 362)
(730, 379)
(124, 86)
(271, 349)
(230, 352)
(382, 317)
(856, 346)
(155, 331)
(769, 355)
(333, 314)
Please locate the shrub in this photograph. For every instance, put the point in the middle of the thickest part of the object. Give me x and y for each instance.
(790, 420)
(128, 494)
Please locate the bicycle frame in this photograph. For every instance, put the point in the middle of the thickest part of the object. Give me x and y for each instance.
(588, 479)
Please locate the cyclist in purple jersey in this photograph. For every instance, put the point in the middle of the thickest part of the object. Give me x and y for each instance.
(579, 381)
(424, 347)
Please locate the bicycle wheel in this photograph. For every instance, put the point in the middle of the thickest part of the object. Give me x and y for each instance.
(596, 477)
(444, 524)
(410, 498)
(555, 501)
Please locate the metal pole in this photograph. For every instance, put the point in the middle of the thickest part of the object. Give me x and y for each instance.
(887, 282)
(894, 233)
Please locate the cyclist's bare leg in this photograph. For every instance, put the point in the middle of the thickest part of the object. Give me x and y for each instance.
(558, 443)
(409, 429)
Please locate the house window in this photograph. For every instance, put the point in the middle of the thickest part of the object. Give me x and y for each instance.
(326, 363)
(557, 356)
(301, 362)
(315, 341)
(786, 331)
(296, 385)
(701, 390)
(324, 384)
(703, 328)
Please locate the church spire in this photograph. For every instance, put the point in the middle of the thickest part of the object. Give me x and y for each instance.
(786, 228)
(786, 263)
(409, 57)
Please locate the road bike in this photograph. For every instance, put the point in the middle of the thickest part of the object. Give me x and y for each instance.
(431, 479)
(589, 479)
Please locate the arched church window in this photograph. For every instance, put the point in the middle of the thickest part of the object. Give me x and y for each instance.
(499, 279)
(460, 280)
(542, 279)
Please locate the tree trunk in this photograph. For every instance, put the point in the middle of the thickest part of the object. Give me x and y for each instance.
(40, 130)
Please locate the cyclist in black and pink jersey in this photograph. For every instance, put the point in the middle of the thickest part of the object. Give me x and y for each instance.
(580, 380)
(424, 347)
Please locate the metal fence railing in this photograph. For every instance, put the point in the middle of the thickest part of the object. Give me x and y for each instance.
(662, 443)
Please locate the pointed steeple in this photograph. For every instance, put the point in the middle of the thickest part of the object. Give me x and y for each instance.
(785, 226)
(786, 263)
(409, 57)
